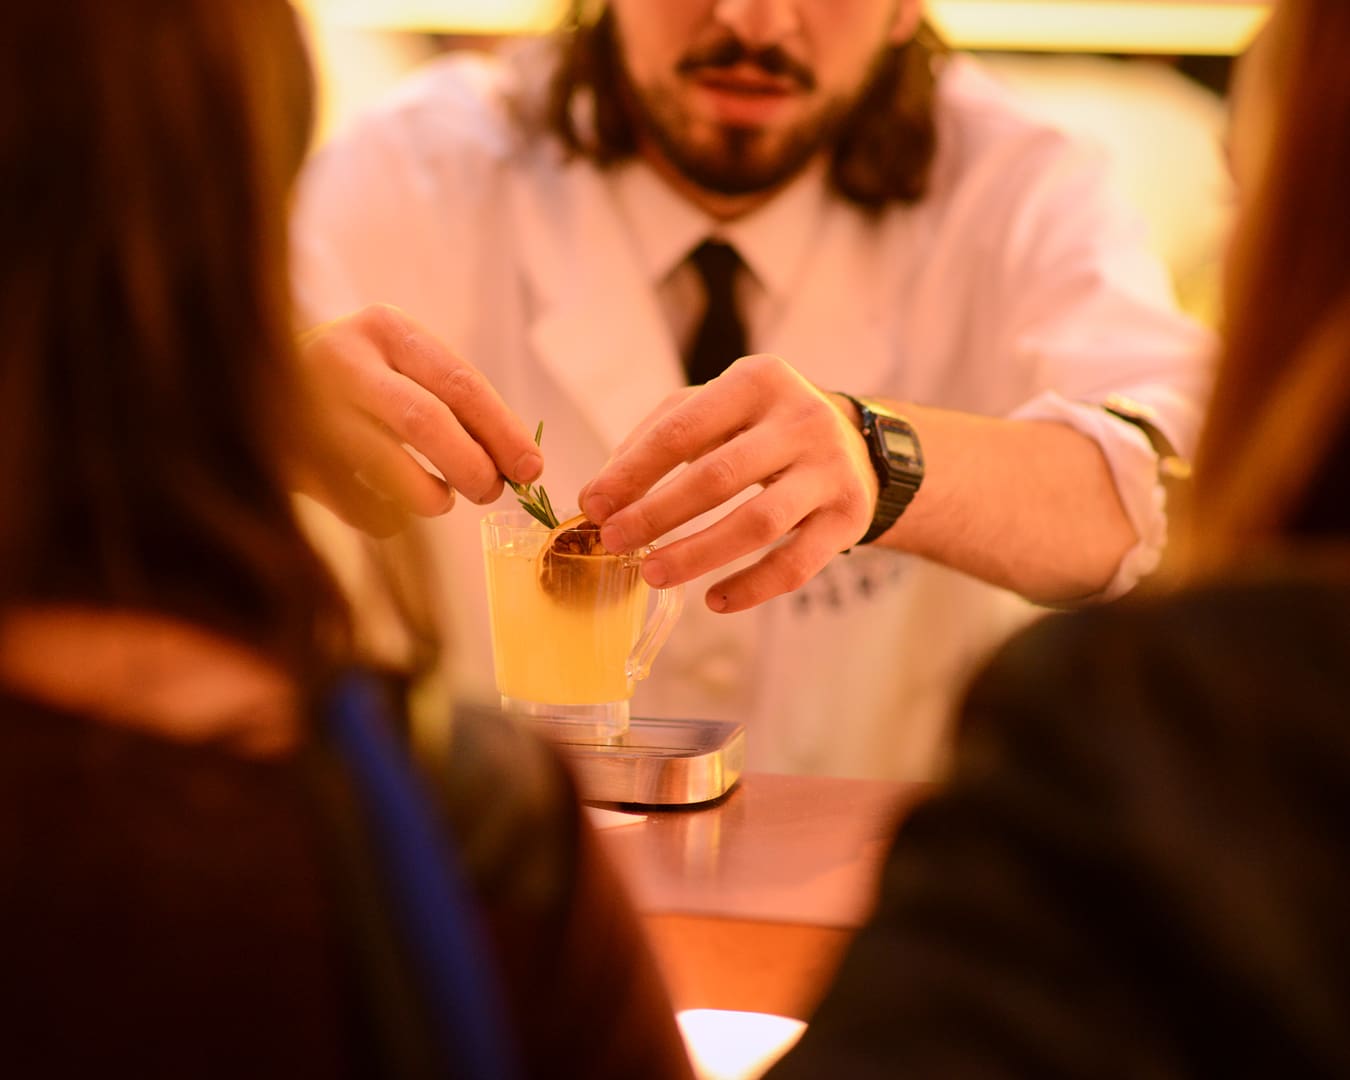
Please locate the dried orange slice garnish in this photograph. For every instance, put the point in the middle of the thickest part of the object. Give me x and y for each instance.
(558, 569)
(577, 535)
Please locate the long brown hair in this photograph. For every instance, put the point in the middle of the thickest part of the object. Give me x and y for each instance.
(146, 365)
(1273, 462)
(884, 150)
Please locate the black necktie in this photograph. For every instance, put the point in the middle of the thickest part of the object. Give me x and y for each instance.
(721, 335)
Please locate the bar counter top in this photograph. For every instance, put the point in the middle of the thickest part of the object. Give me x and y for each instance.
(750, 900)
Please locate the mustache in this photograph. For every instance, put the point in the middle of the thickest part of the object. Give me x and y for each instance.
(731, 51)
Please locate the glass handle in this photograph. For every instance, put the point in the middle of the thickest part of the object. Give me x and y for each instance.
(669, 604)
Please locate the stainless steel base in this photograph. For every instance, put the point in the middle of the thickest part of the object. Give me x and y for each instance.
(661, 763)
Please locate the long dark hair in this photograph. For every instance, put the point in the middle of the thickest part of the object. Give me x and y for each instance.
(146, 363)
(883, 152)
(1274, 459)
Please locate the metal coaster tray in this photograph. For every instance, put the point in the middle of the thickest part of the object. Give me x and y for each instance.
(661, 763)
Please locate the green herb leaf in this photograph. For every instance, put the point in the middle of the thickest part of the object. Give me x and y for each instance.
(535, 499)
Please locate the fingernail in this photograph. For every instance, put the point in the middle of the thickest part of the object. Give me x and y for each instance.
(527, 467)
(598, 508)
(717, 601)
(655, 574)
(613, 539)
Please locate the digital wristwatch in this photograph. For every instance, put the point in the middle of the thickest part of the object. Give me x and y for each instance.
(897, 458)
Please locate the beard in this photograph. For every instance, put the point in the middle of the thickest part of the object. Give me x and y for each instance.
(731, 159)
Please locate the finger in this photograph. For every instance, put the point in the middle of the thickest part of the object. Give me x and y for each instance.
(705, 418)
(387, 468)
(639, 430)
(750, 527)
(412, 415)
(337, 487)
(364, 454)
(357, 505)
(669, 402)
(479, 411)
(723, 473)
(784, 569)
(364, 382)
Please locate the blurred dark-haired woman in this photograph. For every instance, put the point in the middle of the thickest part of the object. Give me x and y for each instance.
(215, 857)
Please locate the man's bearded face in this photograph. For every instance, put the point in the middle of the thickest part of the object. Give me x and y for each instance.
(736, 118)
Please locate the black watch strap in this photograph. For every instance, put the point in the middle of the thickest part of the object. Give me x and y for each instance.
(898, 475)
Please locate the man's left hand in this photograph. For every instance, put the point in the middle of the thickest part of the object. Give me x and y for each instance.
(758, 424)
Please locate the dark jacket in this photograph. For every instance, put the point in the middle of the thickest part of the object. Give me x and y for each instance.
(1140, 866)
(179, 911)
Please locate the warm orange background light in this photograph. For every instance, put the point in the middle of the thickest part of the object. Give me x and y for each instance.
(1144, 26)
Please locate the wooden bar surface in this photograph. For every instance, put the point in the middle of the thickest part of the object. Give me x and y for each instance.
(750, 901)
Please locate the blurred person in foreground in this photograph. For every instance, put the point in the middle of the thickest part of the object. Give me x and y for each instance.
(1139, 865)
(214, 860)
(575, 221)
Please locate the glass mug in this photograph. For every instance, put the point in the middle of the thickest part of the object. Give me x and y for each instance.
(571, 633)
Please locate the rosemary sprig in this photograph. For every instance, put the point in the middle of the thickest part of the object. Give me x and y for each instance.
(533, 497)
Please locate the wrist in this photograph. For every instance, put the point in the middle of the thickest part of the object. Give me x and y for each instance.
(896, 456)
(848, 405)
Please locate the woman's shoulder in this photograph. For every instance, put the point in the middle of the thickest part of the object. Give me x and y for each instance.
(1257, 663)
(1291, 614)
(511, 803)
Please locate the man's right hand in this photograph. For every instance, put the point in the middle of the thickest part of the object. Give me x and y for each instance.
(377, 384)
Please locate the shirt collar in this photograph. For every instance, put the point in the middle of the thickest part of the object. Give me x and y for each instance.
(773, 239)
(664, 226)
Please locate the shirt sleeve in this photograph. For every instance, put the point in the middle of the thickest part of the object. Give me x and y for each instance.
(1090, 309)
(389, 210)
(1134, 466)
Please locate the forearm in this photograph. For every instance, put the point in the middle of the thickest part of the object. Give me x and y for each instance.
(1030, 506)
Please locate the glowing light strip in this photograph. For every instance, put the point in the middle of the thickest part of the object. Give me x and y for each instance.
(457, 16)
(1125, 26)
(1128, 26)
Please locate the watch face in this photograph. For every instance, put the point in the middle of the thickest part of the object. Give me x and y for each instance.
(897, 439)
(898, 459)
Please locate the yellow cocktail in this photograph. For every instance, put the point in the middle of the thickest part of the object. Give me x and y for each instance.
(568, 638)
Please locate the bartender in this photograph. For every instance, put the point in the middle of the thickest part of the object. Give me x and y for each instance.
(881, 362)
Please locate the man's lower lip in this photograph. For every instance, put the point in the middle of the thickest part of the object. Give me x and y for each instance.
(744, 107)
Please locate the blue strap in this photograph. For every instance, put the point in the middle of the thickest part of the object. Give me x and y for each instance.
(432, 901)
